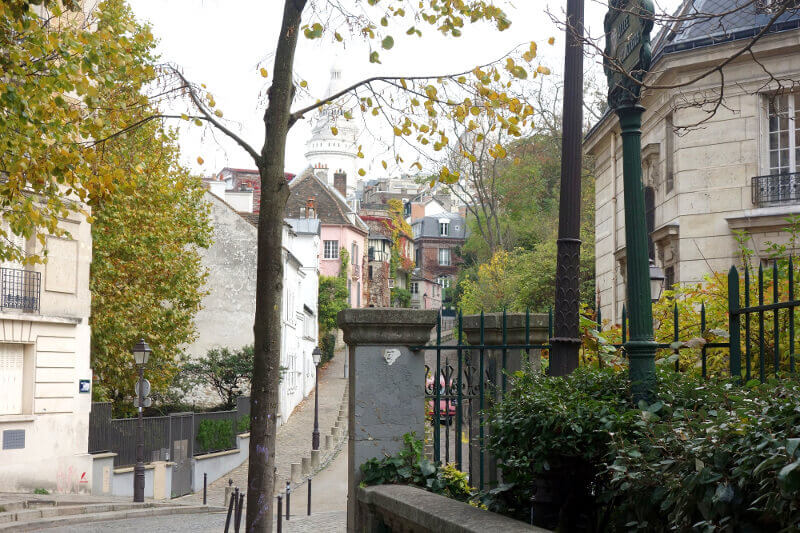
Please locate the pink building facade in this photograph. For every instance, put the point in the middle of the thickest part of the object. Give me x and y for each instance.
(333, 240)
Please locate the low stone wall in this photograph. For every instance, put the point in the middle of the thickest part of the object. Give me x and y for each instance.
(216, 465)
(401, 508)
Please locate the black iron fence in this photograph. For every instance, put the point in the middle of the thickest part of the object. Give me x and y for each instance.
(20, 289)
(468, 372)
(164, 438)
(775, 189)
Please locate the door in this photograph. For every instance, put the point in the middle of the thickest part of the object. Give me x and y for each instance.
(11, 378)
(181, 429)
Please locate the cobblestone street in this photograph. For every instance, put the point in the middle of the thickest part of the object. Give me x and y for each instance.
(294, 437)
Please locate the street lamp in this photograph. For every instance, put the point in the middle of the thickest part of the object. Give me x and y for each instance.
(316, 355)
(141, 353)
(656, 281)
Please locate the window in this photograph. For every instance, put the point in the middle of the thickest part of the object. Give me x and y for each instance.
(444, 256)
(331, 250)
(414, 287)
(358, 295)
(11, 379)
(309, 325)
(391, 283)
(354, 254)
(444, 229)
(444, 282)
(349, 293)
(784, 134)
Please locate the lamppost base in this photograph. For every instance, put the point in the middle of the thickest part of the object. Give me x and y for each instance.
(315, 440)
(563, 355)
(642, 369)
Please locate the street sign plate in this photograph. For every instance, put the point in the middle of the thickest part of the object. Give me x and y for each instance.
(627, 54)
(147, 402)
(145, 390)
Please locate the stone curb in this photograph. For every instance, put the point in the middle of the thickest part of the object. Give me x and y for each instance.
(35, 525)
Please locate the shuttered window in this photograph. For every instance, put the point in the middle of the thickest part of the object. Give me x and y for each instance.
(11, 361)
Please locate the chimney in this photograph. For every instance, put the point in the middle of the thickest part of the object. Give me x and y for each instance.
(340, 182)
(311, 211)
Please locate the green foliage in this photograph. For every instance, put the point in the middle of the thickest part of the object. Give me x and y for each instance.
(66, 84)
(409, 467)
(40, 491)
(146, 275)
(215, 435)
(520, 273)
(400, 297)
(225, 370)
(332, 299)
(705, 456)
(327, 344)
(243, 424)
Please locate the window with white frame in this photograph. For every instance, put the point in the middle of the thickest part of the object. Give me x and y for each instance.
(331, 250)
(354, 254)
(414, 287)
(444, 229)
(444, 256)
(309, 325)
(784, 133)
(444, 282)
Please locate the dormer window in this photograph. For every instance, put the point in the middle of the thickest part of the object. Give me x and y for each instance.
(444, 228)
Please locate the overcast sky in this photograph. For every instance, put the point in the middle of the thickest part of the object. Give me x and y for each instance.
(222, 42)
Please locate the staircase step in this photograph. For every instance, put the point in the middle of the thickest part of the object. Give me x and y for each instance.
(93, 513)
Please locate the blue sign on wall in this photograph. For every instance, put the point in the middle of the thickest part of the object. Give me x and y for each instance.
(84, 385)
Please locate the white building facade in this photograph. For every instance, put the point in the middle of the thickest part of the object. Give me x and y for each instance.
(45, 375)
(735, 172)
(226, 319)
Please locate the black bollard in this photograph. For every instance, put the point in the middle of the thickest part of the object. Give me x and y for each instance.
(205, 488)
(280, 513)
(237, 521)
(309, 496)
(288, 495)
(228, 518)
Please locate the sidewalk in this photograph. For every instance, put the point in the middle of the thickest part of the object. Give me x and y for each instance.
(294, 437)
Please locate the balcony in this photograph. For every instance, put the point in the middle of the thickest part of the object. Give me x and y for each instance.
(20, 289)
(776, 189)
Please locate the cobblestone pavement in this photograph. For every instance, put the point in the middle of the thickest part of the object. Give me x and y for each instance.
(294, 437)
(330, 522)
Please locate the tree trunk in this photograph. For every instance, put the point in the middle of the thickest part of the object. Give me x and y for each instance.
(269, 284)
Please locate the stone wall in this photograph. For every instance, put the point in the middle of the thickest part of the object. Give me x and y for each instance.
(401, 508)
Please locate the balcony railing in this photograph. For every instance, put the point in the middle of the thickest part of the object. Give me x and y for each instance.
(776, 189)
(20, 289)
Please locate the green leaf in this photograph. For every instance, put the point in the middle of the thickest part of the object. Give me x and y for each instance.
(387, 43)
(789, 477)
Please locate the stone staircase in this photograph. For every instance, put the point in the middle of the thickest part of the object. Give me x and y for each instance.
(33, 514)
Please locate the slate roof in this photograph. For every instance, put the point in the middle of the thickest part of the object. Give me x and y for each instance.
(429, 226)
(330, 205)
(712, 22)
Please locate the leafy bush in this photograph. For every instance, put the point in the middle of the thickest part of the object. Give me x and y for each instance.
(215, 435)
(400, 297)
(225, 370)
(327, 343)
(409, 467)
(708, 455)
(243, 424)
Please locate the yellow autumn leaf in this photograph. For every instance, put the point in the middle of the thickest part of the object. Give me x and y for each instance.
(264, 73)
(200, 160)
(362, 172)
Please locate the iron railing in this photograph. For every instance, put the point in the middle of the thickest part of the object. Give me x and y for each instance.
(776, 189)
(20, 289)
(463, 379)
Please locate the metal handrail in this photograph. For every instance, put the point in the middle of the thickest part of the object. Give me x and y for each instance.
(20, 289)
(775, 189)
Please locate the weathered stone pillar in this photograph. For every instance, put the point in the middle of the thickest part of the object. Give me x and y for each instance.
(493, 373)
(387, 385)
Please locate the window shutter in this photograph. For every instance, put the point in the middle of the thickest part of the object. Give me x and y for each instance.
(11, 361)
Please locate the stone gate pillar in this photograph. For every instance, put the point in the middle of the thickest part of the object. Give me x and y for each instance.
(493, 373)
(387, 385)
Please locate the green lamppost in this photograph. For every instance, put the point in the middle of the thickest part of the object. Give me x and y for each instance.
(627, 59)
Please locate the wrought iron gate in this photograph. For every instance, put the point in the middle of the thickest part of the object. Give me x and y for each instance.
(470, 378)
(181, 446)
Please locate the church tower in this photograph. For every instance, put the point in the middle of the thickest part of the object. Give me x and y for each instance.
(332, 155)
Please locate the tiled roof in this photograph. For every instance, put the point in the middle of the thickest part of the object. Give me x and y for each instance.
(331, 207)
(708, 22)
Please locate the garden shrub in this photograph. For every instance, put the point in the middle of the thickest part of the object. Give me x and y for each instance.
(243, 424)
(707, 456)
(215, 435)
(409, 467)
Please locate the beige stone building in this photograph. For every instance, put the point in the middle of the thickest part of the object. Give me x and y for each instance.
(45, 379)
(735, 170)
